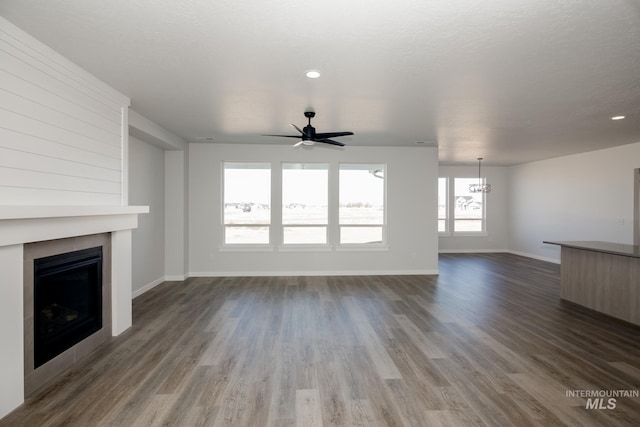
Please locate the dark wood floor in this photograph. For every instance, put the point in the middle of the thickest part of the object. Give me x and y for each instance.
(488, 342)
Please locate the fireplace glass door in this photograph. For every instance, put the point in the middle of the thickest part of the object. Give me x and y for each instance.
(67, 301)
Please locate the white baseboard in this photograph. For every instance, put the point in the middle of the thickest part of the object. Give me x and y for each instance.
(175, 278)
(153, 284)
(472, 251)
(147, 287)
(478, 251)
(538, 257)
(428, 272)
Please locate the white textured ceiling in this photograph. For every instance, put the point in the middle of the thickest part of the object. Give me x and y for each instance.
(508, 80)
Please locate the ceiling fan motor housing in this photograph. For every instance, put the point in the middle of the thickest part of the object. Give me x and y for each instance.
(309, 132)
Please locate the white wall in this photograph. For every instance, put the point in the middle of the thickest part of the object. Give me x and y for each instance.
(496, 238)
(176, 194)
(585, 196)
(176, 253)
(411, 212)
(146, 187)
(11, 328)
(61, 129)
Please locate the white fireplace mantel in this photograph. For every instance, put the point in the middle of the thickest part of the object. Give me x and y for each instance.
(27, 224)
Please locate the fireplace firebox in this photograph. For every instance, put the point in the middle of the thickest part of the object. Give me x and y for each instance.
(67, 301)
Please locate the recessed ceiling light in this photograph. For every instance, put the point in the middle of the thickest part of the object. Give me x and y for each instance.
(313, 74)
(617, 117)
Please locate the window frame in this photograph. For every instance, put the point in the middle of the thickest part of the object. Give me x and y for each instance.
(382, 244)
(300, 246)
(267, 246)
(451, 206)
(276, 225)
(447, 214)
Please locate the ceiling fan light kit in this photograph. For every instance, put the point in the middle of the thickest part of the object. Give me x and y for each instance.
(309, 136)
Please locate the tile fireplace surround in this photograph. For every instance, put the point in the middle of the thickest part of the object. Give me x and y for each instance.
(20, 225)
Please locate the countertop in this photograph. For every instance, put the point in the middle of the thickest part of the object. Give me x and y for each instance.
(604, 247)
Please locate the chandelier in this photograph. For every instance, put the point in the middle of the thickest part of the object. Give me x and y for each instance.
(480, 187)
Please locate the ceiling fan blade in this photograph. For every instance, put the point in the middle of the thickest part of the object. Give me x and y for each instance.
(332, 134)
(283, 136)
(296, 128)
(329, 141)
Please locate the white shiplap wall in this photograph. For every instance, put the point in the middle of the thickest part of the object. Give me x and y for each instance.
(63, 133)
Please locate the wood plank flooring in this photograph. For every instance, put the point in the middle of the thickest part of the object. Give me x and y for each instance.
(488, 342)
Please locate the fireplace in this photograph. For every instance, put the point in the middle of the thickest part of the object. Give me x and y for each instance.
(30, 232)
(67, 304)
(67, 301)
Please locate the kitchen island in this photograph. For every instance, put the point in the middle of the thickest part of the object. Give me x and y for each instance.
(601, 276)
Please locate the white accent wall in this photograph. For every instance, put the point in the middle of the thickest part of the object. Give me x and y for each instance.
(62, 131)
(146, 187)
(411, 179)
(586, 196)
(63, 173)
(496, 237)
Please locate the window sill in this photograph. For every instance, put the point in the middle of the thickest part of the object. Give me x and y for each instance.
(361, 248)
(304, 248)
(467, 234)
(246, 248)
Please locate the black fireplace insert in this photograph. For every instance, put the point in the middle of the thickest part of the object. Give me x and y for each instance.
(67, 301)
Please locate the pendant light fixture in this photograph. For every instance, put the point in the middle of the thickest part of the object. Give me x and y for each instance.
(480, 187)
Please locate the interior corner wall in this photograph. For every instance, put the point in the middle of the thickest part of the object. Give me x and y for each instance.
(496, 237)
(586, 196)
(411, 179)
(147, 187)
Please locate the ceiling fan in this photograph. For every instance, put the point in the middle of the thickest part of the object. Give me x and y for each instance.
(309, 135)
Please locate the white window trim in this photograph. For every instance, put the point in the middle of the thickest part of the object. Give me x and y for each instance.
(450, 219)
(447, 225)
(240, 247)
(362, 246)
(276, 226)
(246, 247)
(304, 247)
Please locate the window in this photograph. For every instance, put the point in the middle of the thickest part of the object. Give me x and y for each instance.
(247, 202)
(443, 205)
(469, 207)
(305, 203)
(361, 205)
(321, 206)
(459, 211)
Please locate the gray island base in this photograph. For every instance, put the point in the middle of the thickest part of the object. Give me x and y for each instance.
(602, 276)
